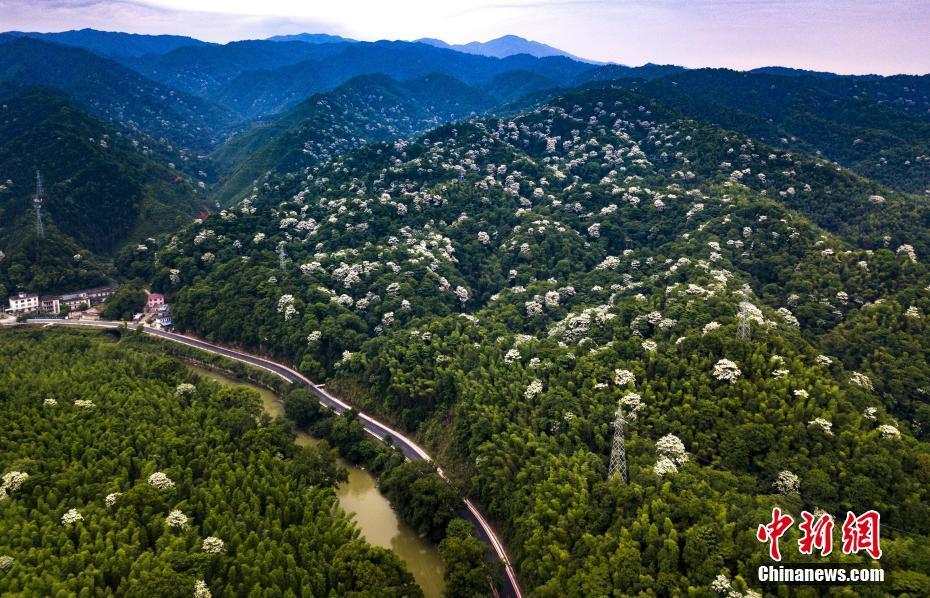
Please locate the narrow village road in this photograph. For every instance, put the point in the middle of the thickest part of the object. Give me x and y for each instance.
(377, 429)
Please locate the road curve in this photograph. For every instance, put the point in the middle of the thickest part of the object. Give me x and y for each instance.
(408, 447)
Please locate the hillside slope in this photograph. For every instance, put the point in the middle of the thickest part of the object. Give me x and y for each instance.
(497, 286)
(369, 108)
(876, 126)
(146, 480)
(115, 93)
(101, 192)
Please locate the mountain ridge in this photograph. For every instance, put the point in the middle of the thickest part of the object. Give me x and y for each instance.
(504, 46)
(311, 38)
(115, 92)
(113, 44)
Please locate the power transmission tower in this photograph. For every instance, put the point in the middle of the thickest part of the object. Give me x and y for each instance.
(282, 255)
(618, 453)
(743, 327)
(37, 202)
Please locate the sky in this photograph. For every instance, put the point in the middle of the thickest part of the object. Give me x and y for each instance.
(843, 36)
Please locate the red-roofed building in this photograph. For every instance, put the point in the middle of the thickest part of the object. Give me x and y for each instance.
(154, 301)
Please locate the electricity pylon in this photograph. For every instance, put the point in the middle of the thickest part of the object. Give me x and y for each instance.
(282, 256)
(743, 326)
(618, 453)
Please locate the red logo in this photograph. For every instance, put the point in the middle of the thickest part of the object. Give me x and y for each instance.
(862, 533)
(773, 531)
(859, 534)
(816, 533)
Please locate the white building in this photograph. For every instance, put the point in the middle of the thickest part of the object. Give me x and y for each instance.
(50, 304)
(23, 302)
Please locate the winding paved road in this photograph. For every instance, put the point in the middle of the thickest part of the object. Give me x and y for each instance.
(410, 449)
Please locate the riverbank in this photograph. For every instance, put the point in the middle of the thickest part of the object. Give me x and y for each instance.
(354, 427)
(360, 495)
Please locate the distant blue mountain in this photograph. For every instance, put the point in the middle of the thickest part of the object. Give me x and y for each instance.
(310, 38)
(647, 71)
(785, 71)
(501, 47)
(114, 44)
(260, 77)
(112, 91)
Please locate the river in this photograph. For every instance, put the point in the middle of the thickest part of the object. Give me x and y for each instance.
(360, 495)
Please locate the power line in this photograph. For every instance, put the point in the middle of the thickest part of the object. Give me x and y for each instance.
(37, 203)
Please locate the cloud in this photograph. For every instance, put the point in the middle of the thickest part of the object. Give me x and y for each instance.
(138, 16)
(851, 36)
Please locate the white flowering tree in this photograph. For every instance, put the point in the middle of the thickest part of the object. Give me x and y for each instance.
(632, 404)
(176, 520)
(888, 431)
(184, 390)
(11, 482)
(860, 379)
(201, 590)
(673, 448)
(726, 371)
(787, 482)
(286, 307)
(534, 388)
(161, 481)
(664, 466)
(71, 517)
(213, 545)
(822, 424)
(624, 377)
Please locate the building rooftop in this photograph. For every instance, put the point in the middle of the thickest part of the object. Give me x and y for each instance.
(103, 289)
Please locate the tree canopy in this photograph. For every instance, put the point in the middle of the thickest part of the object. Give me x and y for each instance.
(129, 475)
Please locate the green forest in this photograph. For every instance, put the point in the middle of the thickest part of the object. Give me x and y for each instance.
(503, 258)
(497, 287)
(124, 474)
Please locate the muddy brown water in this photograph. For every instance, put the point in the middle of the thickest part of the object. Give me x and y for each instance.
(360, 496)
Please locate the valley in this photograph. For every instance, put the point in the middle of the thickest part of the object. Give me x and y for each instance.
(565, 328)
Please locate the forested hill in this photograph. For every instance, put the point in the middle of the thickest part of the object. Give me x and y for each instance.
(740, 260)
(102, 191)
(498, 285)
(877, 126)
(365, 109)
(126, 475)
(115, 93)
